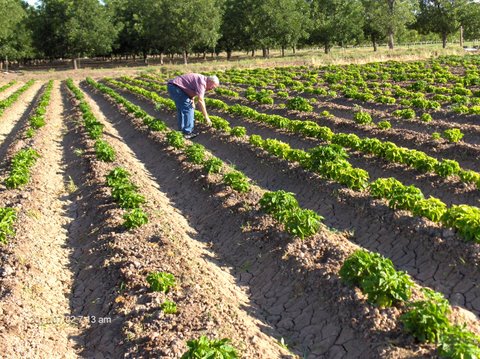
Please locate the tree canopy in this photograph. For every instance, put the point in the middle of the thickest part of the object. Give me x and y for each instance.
(70, 28)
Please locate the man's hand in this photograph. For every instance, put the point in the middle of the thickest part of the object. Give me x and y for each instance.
(208, 121)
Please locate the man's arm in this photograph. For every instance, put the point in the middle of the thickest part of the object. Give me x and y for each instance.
(203, 108)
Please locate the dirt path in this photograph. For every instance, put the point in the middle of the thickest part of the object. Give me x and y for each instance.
(38, 310)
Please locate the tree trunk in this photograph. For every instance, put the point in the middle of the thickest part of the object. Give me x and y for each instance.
(204, 55)
(161, 58)
(461, 36)
(75, 63)
(264, 52)
(294, 49)
(327, 49)
(185, 57)
(6, 63)
(145, 60)
(444, 40)
(253, 53)
(391, 10)
(283, 51)
(374, 43)
(229, 54)
(390, 39)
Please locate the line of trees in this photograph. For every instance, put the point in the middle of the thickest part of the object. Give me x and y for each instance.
(85, 28)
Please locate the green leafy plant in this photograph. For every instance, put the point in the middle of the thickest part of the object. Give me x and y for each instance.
(237, 180)
(169, 307)
(299, 104)
(213, 165)
(354, 178)
(204, 348)
(195, 153)
(123, 191)
(431, 208)
(126, 196)
(447, 168)
(175, 139)
(30, 133)
(8, 216)
(135, 218)
(161, 281)
(238, 131)
(377, 278)
(426, 117)
(322, 154)
(436, 136)
(104, 151)
(158, 125)
(407, 113)
(384, 125)
(302, 222)
(118, 174)
(469, 176)
(362, 118)
(459, 343)
(256, 140)
(465, 219)
(278, 204)
(405, 197)
(20, 168)
(384, 187)
(427, 320)
(452, 135)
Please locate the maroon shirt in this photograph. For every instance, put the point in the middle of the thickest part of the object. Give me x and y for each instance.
(192, 84)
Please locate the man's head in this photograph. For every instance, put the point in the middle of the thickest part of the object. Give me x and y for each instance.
(212, 82)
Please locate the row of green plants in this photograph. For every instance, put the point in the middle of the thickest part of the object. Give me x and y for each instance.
(330, 161)
(10, 100)
(368, 145)
(24, 159)
(123, 191)
(37, 120)
(361, 117)
(7, 85)
(384, 149)
(426, 319)
(21, 164)
(388, 288)
(103, 151)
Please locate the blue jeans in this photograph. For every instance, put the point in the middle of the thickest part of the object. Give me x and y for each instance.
(184, 106)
